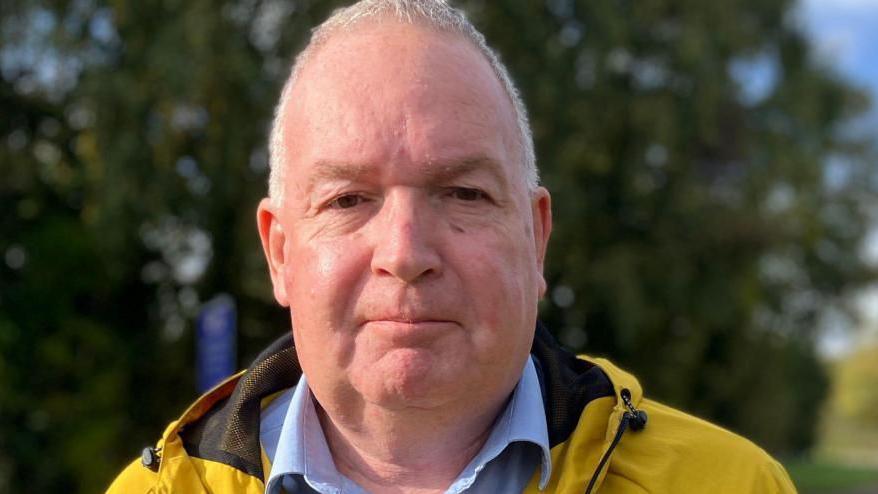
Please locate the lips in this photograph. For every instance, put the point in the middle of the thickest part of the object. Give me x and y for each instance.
(405, 317)
(406, 312)
(403, 322)
(407, 331)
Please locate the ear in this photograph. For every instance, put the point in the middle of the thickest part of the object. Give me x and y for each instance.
(541, 206)
(273, 237)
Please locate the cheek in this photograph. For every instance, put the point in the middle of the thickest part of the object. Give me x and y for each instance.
(498, 272)
(323, 280)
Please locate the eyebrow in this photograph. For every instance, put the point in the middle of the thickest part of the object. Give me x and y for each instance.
(437, 172)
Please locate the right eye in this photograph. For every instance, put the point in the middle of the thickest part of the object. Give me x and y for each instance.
(347, 201)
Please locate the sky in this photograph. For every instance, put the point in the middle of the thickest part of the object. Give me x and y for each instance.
(846, 36)
(845, 33)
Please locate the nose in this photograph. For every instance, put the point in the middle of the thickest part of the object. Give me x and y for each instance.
(405, 240)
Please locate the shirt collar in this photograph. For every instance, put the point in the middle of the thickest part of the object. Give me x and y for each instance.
(295, 444)
(300, 447)
(523, 420)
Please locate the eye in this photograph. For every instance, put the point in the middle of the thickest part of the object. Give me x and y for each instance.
(468, 194)
(347, 201)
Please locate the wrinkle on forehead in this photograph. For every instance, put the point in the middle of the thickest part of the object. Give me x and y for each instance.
(410, 59)
(434, 172)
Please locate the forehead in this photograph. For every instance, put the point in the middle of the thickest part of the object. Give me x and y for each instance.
(390, 92)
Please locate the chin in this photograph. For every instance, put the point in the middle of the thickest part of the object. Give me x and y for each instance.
(405, 378)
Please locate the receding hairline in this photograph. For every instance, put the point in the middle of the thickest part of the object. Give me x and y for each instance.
(333, 33)
(376, 27)
(451, 22)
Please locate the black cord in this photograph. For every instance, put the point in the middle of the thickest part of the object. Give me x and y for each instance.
(634, 418)
(623, 425)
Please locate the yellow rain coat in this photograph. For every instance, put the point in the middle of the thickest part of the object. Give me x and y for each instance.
(599, 444)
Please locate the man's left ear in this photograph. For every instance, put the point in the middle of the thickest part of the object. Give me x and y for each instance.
(541, 206)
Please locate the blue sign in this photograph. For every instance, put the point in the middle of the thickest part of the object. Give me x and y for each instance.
(216, 342)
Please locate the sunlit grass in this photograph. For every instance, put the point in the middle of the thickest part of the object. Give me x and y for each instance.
(816, 477)
(845, 459)
(848, 442)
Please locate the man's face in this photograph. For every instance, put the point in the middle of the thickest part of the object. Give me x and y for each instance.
(408, 246)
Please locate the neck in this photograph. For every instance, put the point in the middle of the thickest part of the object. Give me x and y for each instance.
(411, 451)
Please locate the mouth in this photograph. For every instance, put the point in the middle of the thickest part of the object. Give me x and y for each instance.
(410, 330)
(408, 322)
(407, 318)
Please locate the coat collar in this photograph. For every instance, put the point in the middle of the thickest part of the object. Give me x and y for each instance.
(223, 425)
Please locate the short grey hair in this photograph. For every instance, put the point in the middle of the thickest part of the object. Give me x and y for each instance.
(432, 13)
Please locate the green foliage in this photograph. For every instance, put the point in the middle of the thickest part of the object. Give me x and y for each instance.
(703, 227)
(701, 231)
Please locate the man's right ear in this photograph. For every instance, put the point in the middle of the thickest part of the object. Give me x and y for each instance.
(273, 237)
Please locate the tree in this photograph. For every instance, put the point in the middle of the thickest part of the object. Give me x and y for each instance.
(709, 204)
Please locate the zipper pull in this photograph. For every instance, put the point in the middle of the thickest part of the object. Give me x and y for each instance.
(636, 418)
(151, 458)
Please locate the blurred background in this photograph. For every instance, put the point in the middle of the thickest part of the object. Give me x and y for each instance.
(713, 166)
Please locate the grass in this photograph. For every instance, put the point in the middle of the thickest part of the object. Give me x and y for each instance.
(816, 477)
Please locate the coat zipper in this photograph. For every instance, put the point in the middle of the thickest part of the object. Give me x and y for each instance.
(633, 418)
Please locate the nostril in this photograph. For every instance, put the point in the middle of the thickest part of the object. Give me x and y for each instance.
(407, 261)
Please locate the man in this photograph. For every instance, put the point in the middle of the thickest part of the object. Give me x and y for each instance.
(405, 230)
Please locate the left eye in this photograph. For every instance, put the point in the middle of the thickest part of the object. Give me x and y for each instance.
(467, 194)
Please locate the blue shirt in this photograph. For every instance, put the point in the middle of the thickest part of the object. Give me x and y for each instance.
(301, 462)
